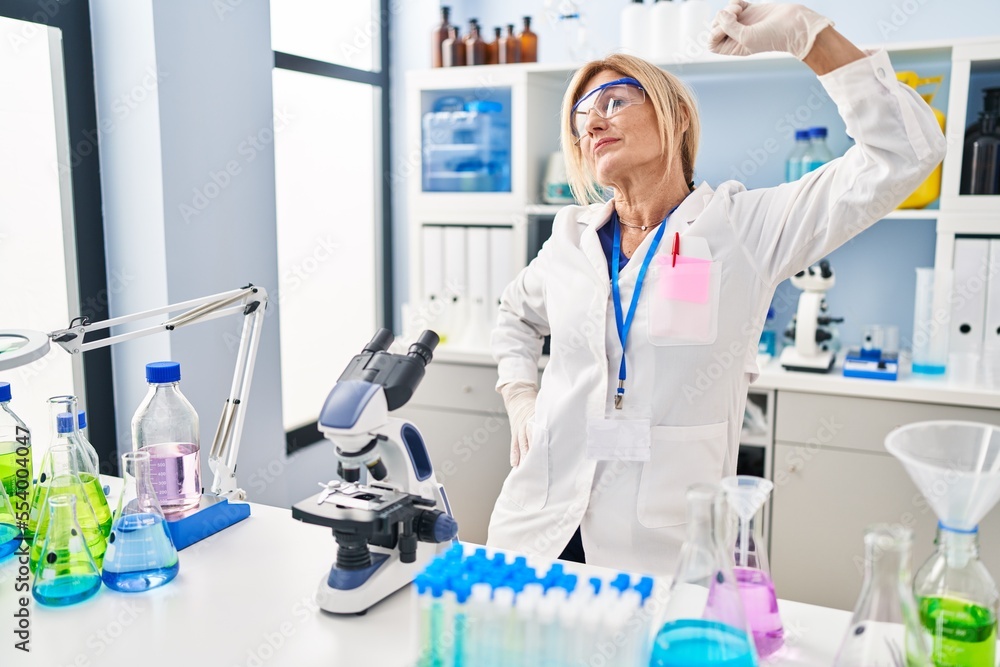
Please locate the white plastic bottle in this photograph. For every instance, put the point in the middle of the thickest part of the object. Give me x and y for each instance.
(695, 19)
(817, 154)
(166, 425)
(635, 29)
(793, 166)
(664, 37)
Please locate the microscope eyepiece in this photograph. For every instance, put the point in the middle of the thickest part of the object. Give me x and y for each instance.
(380, 342)
(424, 347)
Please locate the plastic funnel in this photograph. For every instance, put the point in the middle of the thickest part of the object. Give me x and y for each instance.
(956, 466)
(746, 494)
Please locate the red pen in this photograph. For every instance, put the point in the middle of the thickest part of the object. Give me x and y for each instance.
(676, 249)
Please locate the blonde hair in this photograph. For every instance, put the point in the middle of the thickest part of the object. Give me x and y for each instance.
(672, 102)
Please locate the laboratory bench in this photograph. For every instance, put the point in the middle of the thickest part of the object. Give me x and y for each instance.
(822, 446)
(245, 597)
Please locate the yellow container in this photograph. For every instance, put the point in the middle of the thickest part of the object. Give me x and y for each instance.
(930, 189)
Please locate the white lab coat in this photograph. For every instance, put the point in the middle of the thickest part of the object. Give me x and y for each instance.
(688, 368)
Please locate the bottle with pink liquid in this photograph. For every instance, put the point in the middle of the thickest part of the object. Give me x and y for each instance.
(166, 426)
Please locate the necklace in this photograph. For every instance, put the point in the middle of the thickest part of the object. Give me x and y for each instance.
(639, 227)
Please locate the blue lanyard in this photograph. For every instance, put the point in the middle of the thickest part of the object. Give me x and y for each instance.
(626, 324)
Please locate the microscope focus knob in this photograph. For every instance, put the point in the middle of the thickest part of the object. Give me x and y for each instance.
(436, 526)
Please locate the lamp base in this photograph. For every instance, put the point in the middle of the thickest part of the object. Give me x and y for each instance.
(212, 515)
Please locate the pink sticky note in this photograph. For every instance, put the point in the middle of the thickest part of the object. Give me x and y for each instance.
(690, 280)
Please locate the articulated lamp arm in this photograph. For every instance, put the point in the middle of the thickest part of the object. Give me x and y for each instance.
(250, 301)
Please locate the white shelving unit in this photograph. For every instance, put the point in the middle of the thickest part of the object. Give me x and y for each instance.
(536, 91)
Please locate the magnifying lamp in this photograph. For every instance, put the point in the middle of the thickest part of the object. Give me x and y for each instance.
(19, 347)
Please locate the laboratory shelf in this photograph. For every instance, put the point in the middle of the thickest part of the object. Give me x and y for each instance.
(544, 209)
(914, 214)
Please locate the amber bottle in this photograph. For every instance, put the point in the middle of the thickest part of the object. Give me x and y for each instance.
(509, 50)
(529, 43)
(475, 48)
(492, 47)
(438, 36)
(453, 49)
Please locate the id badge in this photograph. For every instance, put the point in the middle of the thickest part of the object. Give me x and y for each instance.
(626, 437)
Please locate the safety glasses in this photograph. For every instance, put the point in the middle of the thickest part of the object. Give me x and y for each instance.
(606, 100)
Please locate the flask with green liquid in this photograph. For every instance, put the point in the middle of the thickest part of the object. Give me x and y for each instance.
(958, 601)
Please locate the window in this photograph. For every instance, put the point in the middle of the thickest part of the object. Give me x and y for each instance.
(331, 118)
(52, 263)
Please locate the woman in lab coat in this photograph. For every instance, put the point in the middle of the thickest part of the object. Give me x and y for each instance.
(603, 454)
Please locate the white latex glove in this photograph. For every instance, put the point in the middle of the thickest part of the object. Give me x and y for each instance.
(519, 399)
(742, 29)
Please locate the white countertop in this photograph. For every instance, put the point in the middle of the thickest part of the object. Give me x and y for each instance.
(244, 597)
(909, 387)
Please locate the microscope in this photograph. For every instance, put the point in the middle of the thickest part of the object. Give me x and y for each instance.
(813, 332)
(388, 530)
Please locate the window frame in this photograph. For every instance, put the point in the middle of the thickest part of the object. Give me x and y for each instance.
(72, 18)
(307, 435)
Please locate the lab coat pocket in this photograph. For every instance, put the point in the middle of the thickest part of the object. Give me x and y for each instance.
(684, 309)
(527, 485)
(680, 456)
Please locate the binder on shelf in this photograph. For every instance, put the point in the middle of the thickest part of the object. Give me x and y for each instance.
(968, 304)
(501, 261)
(455, 262)
(478, 263)
(433, 247)
(992, 328)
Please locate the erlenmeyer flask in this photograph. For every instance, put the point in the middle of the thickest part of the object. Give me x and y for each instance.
(10, 534)
(60, 476)
(746, 496)
(140, 553)
(67, 572)
(66, 432)
(958, 599)
(704, 622)
(885, 631)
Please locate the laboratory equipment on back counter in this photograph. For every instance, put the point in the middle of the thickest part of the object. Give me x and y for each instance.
(60, 475)
(387, 531)
(746, 496)
(812, 332)
(16, 468)
(931, 320)
(664, 27)
(704, 620)
(634, 29)
(140, 553)
(981, 156)
(68, 572)
(166, 425)
(10, 533)
(878, 356)
(509, 48)
(956, 466)
(885, 630)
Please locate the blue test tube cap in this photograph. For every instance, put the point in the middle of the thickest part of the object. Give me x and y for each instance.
(499, 560)
(420, 581)
(520, 562)
(645, 587)
(64, 422)
(81, 419)
(595, 583)
(622, 582)
(437, 587)
(569, 582)
(480, 553)
(4, 392)
(463, 590)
